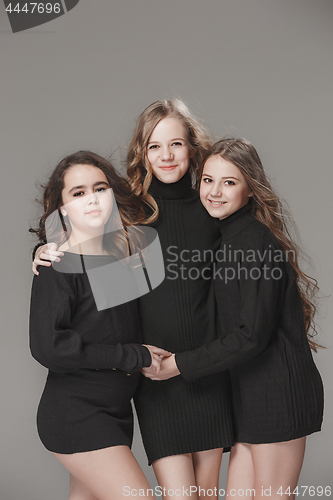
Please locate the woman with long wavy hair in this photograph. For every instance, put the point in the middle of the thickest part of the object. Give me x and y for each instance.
(93, 351)
(265, 307)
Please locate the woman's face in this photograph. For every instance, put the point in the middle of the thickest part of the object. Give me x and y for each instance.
(223, 188)
(168, 150)
(87, 200)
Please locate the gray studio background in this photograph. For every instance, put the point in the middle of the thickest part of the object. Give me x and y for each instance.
(261, 69)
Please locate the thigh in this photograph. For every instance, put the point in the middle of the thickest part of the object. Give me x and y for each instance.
(78, 491)
(240, 473)
(206, 471)
(109, 473)
(277, 465)
(175, 474)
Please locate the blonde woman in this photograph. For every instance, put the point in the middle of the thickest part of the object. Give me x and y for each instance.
(184, 425)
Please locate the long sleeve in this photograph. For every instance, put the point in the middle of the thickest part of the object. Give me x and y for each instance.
(56, 345)
(251, 302)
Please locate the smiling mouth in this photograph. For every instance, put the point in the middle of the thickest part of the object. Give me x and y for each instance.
(168, 167)
(217, 203)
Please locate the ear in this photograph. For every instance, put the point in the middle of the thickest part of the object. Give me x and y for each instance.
(192, 152)
(63, 212)
(250, 194)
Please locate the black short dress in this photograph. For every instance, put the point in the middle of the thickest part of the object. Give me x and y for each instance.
(93, 357)
(175, 416)
(277, 390)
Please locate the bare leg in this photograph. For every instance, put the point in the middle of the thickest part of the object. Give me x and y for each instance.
(277, 465)
(206, 470)
(78, 490)
(109, 474)
(176, 475)
(241, 473)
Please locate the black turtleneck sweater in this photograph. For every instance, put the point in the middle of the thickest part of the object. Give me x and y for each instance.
(175, 416)
(277, 390)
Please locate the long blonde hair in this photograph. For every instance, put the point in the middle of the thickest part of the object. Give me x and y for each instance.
(267, 207)
(139, 170)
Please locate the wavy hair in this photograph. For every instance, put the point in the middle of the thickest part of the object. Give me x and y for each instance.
(139, 170)
(274, 213)
(129, 205)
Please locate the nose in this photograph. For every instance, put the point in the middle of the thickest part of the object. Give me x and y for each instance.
(216, 190)
(92, 199)
(166, 154)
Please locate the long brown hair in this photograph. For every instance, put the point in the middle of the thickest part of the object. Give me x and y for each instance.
(130, 206)
(139, 170)
(268, 208)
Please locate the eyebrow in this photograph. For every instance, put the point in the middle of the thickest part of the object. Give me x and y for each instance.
(83, 186)
(227, 177)
(175, 139)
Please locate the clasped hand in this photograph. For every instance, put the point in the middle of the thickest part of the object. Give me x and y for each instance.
(163, 364)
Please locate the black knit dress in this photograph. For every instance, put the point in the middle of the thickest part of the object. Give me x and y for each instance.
(177, 417)
(93, 357)
(277, 390)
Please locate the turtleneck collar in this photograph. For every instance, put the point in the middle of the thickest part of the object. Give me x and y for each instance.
(236, 222)
(173, 191)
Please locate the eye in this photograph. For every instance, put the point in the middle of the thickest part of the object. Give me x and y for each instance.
(206, 180)
(229, 183)
(99, 190)
(177, 143)
(153, 146)
(79, 193)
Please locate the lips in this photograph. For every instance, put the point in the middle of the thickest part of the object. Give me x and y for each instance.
(168, 167)
(217, 203)
(94, 212)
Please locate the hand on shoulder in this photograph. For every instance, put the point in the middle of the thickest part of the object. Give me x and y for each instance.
(45, 255)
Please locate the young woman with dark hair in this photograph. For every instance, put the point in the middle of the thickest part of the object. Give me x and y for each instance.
(94, 354)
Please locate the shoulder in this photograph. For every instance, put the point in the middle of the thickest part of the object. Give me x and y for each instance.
(51, 280)
(259, 246)
(257, 235)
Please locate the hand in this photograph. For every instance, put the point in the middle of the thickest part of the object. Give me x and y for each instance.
(49, 252)
(157, 354)
(168, 369)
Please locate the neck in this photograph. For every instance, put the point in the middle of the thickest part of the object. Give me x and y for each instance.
(172, 191)
(85, 246)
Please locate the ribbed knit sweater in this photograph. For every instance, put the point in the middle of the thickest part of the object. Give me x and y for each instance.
(277, 390)
(175, 416)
